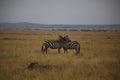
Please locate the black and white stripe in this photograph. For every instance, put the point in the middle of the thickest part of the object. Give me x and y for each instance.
(72, 45)
(62, 42)
(53, 44)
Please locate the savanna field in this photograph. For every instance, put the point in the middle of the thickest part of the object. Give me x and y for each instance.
(99, 58)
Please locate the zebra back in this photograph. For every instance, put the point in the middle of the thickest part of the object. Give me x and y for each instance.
(54, 44)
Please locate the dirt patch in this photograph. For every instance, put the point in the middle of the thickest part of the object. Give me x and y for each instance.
(109, 37)
(35, 65)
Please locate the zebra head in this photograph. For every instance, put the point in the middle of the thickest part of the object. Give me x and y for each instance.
(60, 39)
(64, 39)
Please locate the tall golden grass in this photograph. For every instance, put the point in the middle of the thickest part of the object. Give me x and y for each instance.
(99, 58)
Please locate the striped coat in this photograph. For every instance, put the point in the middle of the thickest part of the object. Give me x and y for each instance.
(72, 45)
(53, 44)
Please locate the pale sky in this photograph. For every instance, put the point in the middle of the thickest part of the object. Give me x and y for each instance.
(60, 11)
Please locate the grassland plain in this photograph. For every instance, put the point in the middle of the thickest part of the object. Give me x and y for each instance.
(99, 58)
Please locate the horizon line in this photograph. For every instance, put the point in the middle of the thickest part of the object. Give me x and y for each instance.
(58, 24)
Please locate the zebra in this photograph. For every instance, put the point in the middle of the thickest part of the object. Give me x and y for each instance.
(55, 44)
(72, 45)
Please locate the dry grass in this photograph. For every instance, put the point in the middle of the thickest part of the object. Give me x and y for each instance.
(99, 58)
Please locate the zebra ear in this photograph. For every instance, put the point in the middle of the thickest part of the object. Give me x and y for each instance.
(66, 36)
(60, 37)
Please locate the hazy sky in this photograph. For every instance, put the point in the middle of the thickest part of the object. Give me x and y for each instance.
(61, 11)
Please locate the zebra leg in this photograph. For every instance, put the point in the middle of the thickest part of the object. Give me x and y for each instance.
(77, 50)
(46, 50)
(43, 49)
(65, 50)
(59, 50)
